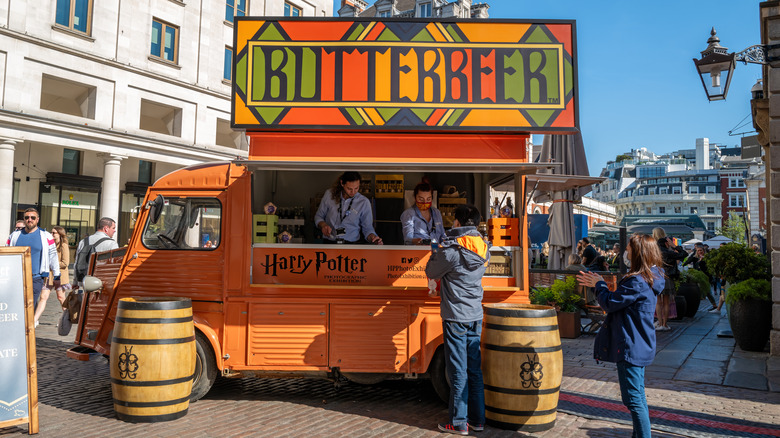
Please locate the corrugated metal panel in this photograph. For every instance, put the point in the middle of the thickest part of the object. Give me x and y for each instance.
(369, 337)
(288, 334)
(106, 268)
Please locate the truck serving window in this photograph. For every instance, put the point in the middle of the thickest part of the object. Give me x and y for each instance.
(185, 223)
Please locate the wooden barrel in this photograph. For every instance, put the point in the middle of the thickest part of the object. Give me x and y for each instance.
(152, 359)
(522, 366)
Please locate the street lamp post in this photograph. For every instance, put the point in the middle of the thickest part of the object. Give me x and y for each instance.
(719, 65)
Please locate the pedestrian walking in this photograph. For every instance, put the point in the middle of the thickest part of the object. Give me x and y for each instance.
(43, 253)
(102, 240)
(671, 254)
(628, 336)
(460, 263)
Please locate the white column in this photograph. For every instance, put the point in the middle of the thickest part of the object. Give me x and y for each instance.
(7, 148)
(109, 201)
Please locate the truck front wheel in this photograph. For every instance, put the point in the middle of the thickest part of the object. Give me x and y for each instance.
(438, 372)
(205, 368)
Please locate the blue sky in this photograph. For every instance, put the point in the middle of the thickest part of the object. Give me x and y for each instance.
(638, 86)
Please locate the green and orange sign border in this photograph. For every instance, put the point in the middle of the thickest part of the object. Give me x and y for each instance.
(324, 112)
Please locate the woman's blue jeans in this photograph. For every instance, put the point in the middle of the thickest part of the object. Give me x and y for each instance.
(632, 391)
(464, 370)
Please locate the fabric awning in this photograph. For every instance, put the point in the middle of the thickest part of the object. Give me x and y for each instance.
(554, 182)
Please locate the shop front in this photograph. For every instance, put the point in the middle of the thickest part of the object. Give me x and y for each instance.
(71, 202)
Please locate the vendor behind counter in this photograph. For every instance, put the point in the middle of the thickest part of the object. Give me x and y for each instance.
(344, 213)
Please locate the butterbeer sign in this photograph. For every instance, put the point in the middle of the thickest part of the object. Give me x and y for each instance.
(408, 75)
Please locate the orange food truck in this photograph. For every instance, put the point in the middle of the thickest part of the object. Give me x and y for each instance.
(396, 100)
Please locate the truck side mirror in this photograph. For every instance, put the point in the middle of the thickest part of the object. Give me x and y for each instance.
(92, 284)
(155, 208)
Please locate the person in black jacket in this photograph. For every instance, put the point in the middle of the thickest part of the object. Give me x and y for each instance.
(696, 260)
(671, 255)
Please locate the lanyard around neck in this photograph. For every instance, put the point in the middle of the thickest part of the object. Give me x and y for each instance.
(432, 229)
(349, 207)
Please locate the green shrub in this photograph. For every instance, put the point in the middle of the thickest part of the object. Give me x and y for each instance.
(736, 262)
(562, 295)
(749, 289)
(697, 277)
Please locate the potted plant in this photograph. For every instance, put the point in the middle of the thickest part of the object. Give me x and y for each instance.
(751, 305)
(693, 285)
(562, 295)
(737, 264)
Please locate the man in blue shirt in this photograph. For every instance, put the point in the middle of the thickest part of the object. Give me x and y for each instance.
(344, 213)
(43, 252)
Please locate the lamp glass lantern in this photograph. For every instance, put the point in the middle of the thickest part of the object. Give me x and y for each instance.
(715, 71)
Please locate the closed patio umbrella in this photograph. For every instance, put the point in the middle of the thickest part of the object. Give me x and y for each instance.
(568, 150)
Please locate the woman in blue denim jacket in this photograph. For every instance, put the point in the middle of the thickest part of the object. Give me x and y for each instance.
(628, 336)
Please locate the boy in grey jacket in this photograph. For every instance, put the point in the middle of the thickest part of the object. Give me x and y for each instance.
(460, 264)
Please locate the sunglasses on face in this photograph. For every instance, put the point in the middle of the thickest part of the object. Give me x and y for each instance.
(30, 217)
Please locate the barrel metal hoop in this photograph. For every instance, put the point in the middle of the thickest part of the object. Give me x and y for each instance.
(151, 418)
(522, 427)
(520, 313)
(116, 340)
(520, 413)
(128, 320)
(523, 349)
(130, 404)
(155, 305)
(152, 382)
(522, 328)
(514, 391)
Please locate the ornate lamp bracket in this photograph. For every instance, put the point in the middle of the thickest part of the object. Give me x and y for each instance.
(757, 54)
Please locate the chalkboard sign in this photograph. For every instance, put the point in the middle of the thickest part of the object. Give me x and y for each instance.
(18, 376)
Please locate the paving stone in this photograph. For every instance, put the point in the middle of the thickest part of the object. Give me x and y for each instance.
(711, 352)
(703, 371)
(747, 365)
(746, 380)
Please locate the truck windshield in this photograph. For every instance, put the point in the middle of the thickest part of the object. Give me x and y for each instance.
(185, 223)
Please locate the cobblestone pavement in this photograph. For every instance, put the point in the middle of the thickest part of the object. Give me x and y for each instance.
(75, 400)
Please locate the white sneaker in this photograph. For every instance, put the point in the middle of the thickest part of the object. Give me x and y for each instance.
(656, 325)
(36, 324)
(715, 311)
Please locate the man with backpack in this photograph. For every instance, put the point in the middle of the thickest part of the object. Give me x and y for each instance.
(102, 240)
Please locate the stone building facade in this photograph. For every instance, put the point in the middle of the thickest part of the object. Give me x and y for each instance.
(98, 99)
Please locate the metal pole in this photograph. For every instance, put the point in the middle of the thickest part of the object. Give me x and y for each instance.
(623, 247)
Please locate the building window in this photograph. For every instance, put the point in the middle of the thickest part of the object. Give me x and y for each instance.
(676, 190)
(226, 136)
(227, 70)
(163, 119)
(710, 226)
(661, 210)
(710, 189)
(75, 15)
(694, 211)
(291, 11)
(677, 210)
(425, 10)
(737, 200)
(663, 191)
(710, 210)
(68, 97)
(693, 189)
(649, 210)
(165, 41)
(236, 8)
(651, 172)
(145, 171)
(71, 161)
(736, 183)
(384, 14)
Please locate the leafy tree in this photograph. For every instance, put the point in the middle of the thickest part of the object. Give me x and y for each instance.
(736, 262)
(734, 228)
(622, 157)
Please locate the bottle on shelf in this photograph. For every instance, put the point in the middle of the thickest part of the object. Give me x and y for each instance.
(507, 210)
(495, 210)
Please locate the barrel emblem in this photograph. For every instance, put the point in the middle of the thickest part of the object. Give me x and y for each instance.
(127, 364)
(531, 372)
